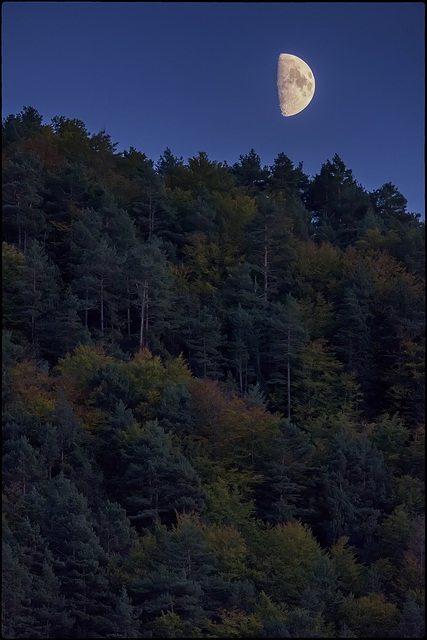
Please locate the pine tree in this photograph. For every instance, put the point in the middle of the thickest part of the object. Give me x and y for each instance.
(204, 343)
(78, 558)
(356, 490)
(239, 347)
(41, 292)
(353, 333)
(288, 474)
(271, 243)
(285, 338)
(13, 269)
(16, 582)
(97, 269)
(182, 576)
(150, 286)
(16, 128)
(249, 173)
(24, 219)
(22, 466)
(338, 202)
(157, 479)
(125, 618)
(45, 614)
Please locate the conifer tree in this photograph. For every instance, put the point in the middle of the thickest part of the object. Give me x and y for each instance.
(156, 480)
(24, 219)
(41, 292)
(356, 490)
(78, 558)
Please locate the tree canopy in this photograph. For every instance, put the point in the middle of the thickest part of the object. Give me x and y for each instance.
(213, 395)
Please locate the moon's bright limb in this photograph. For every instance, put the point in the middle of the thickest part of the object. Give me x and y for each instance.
(295, 84)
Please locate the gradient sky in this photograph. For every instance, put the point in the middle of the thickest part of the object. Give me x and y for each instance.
(201, 76)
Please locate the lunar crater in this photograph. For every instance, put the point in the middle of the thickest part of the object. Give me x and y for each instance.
(295, 84)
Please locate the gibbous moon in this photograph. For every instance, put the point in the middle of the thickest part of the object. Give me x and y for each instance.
(295, 84)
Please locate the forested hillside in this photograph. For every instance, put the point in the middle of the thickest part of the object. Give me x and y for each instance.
(213, 395)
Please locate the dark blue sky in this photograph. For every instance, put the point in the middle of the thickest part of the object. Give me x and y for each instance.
(202, 77)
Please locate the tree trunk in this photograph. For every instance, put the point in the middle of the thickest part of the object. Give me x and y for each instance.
(102, 306)
(151, 213)
(128, 311)
(143, 327)
(265, 267)
(289, 374)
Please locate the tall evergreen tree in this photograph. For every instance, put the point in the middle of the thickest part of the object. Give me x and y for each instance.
(285, 337)
(21, 126)
(289, 475)
(157, 480)
(78, 559)
(23, 218)
(204, 342)
(44, 610)
(249, 173)
(151, 288)
(97, 266)
(271, 243)
(337, 201)
(356, 489)
(181, 578)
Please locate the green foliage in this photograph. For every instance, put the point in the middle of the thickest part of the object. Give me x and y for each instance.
(180, 578)
(227, 502)
(155, 480)
(288, 476)
(213, 395)
(321, 385)
(283, 560)
(170, 625)
(22, 183)
(125, 619)
(356, 489)
(235, 623)
(338, 201)
(349, 573)
(371, 616)
(410, 493)
(249, 173)
(13, 267)
(230, 548)
(391, 437)
(395, 533)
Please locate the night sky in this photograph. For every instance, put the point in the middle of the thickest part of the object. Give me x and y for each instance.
(202, 76)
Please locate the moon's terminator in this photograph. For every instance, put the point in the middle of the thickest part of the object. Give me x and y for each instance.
(295, 84)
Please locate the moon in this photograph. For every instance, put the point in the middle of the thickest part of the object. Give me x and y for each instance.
(295, 84)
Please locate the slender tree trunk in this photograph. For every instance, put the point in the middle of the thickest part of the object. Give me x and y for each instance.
(128, 310)
(151, 218)
(189, 563)
(86, 307)
(143, 327)
(147, 304)
(33, 315)
(204, 359)
(289, 373)
(265, 267)
(102, 306)
(240, 376)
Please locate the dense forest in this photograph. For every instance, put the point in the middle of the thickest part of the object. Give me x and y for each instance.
(213, 395)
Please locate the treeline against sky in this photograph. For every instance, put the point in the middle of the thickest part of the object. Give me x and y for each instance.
(213, 405)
